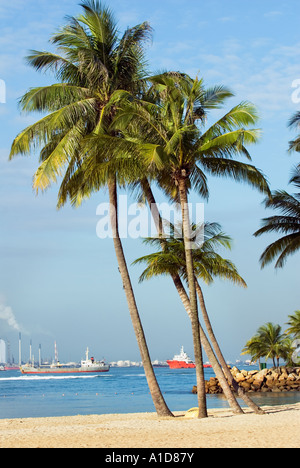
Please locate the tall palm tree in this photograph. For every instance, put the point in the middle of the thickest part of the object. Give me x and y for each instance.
(95, 69)
(179, 149)
(286, 223)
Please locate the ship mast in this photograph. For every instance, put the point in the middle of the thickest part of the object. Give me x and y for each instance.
(55, 353)
(20, 350)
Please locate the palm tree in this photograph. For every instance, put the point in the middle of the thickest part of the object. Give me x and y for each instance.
(95, 69)
(294, 325)
(271, 338)
(269, 342)
(254, 347)
(287, 223)
(285, 350)
(170, 140)
(208, 264)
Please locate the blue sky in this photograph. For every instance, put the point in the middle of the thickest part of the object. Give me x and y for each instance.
(56, 276)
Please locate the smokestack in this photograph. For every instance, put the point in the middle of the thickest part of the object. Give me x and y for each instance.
(20, 350)
(40, 359)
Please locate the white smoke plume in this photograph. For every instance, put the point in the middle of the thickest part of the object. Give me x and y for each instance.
(6, 314)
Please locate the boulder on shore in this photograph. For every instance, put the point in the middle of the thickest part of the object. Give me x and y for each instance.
(279, 379)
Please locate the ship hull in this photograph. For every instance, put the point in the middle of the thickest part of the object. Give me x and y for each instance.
(181, 365)
(184, 365)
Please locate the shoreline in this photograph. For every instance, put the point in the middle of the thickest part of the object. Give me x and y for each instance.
(278, 428)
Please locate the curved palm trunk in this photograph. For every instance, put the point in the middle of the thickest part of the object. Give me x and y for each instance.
(209, 352)
(193, 298)
(186, 303)
(240, 391)
(157, 397)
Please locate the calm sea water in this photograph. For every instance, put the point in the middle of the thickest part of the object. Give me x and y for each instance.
(122, 390)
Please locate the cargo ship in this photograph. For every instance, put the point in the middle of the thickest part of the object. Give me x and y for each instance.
(87, 366)
(182, 361)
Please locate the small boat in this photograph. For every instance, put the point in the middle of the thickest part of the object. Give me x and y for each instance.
(87, 366)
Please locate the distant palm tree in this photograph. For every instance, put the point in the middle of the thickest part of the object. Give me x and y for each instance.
(287, 223)
(269, 342)
(255, 348)
(294, 325)
(95, 68)
(285, 351)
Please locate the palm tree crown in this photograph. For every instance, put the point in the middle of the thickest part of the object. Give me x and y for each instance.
(169, 129)
(208, 263)
(94, 67)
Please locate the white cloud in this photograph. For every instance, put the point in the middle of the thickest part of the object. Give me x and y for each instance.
(7, 10)
(264, 78)
(273, 14)
(226, 19)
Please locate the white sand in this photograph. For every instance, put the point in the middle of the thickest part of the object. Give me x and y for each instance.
(280, 427)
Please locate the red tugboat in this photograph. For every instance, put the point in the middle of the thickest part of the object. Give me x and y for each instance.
(182, 361)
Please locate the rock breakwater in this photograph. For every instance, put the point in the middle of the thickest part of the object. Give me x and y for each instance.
(281, 379)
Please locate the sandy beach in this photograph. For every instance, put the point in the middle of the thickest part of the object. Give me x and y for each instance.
(278, 428)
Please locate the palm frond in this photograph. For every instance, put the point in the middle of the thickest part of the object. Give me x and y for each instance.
(283, 224)
(236, 170)
(283, 201)
(294, 120)
(240, 116)
(282, 247)
(51, 98)
(295, 179)
(41, 132)
(101, 23)
(54, 164)
(160, 263)
(62, 67)
(227, 143)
